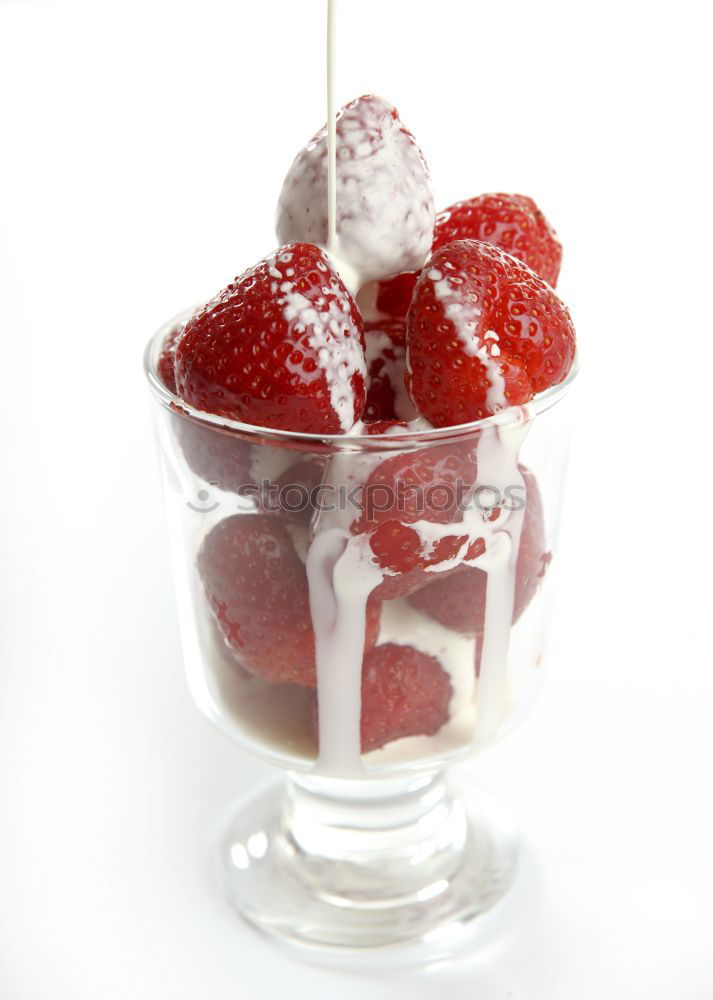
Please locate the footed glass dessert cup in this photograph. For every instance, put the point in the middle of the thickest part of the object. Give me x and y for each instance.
(362, 611)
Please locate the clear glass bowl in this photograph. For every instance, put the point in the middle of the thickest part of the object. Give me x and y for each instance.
(361, 612)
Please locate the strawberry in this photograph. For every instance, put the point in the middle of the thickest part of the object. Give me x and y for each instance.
(404, 692)
(406, 502)
(395, 542)
(386, 397)
(282, 347)
(211, 453)
(385, 209)
(512, 222)
(257, 589)
(393, 296)
(166, 365)
(483, 333)
(458, 600)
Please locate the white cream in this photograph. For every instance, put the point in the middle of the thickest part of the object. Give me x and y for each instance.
(418, 424)
(498, 450)
(339, 357)
(331, 130)
(341, 575)
(345, 473)
(383, 203)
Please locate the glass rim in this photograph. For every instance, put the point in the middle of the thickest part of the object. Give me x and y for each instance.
(170, 401)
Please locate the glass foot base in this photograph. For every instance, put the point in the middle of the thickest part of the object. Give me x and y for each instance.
(353, 865)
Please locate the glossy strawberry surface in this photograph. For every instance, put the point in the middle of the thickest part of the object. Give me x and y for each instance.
(512, 222)
(281, 347)
(483, 333)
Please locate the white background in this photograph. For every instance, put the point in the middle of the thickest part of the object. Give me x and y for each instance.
(143, 150)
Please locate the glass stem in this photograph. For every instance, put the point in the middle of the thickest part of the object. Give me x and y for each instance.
(380, 839)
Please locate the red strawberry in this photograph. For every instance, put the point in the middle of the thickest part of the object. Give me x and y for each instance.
(385, 210)
(426, 486)
(512, 222)
(404, 692)
(484, 332)
(280, 347)
(393, 296)
(397, 542)
(166, 365)
(386, 397)
(458, 601)
(214, 455)
(230, 463)
(257, 589)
